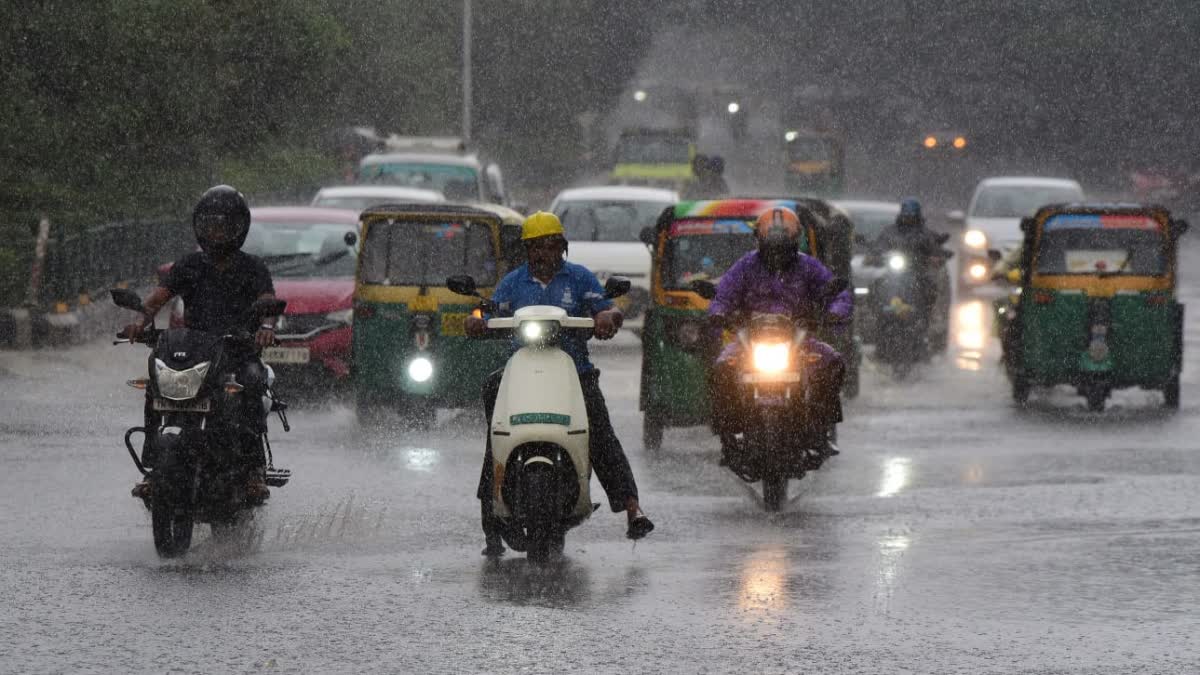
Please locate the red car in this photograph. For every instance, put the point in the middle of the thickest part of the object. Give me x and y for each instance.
(311, 253)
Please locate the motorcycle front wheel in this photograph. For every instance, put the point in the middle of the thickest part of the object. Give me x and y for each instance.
(172, 529)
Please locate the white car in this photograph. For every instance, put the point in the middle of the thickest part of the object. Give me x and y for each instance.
(603, 225)
(361, 197)
(993, 221)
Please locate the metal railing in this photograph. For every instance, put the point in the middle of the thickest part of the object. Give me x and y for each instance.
(86, 261)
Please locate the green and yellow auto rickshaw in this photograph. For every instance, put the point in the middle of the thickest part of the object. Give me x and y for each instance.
(816, 163)
(693, 241)
(1097, 306)
(410, 354)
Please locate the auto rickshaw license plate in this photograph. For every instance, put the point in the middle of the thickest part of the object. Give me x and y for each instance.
(453, 324)
(285, 355)
(167, 405)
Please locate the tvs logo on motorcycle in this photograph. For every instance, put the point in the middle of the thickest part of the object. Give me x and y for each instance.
(179, 356)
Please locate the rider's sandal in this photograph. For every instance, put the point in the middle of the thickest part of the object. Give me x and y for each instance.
(639, 526)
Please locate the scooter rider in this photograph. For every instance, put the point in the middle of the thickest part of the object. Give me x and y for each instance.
(777, 278)
(548, 279)
(218, 285)
(910, 235)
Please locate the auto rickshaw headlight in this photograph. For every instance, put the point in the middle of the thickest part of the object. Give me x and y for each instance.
(975, 239)
(897, 262)
(420, 369)
(771, 357)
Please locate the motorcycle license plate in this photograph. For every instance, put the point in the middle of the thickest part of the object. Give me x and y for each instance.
(452, 324)
(167, 405)
(770, 378)
(285, 355)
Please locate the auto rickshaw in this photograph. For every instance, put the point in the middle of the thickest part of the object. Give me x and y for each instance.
(410, 354)
(692, 241)
(816, 162)
(1097, 306)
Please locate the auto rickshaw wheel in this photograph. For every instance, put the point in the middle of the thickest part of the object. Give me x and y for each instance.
(652, 431)
(1171, 394)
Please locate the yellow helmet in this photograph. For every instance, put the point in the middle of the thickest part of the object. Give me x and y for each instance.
(541, 224)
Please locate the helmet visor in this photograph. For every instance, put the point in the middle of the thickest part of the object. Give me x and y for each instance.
(216, 228)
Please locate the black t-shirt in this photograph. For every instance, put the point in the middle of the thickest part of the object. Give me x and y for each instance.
(218, 301)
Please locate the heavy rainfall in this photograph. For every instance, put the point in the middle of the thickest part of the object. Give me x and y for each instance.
(317, 317)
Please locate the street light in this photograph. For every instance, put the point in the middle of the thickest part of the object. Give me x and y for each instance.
(639, 95)
(791, 136)
(734, 107)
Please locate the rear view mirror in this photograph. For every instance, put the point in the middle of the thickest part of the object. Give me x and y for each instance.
(126, 299)
(705, 289)
(615, 287)
(942, 237)
(647, 236)
(1028, 225)
(351, 239)
(1178, 227)
(266, 307)
(462, 284)
(994, 255)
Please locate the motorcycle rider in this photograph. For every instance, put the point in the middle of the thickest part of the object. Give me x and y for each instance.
(921, 245)
(777, 278)
(548, 279)
(708, 178)
(219, 284)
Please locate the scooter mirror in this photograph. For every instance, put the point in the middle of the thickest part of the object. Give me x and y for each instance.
(350, 238)
(126, 299)
(268, 307)
(705, 289)
(615, 287)
(462, 284)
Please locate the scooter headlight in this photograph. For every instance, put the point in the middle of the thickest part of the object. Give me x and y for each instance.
(537, 332)
(771, 358)
(897, 262)
(179, 385)
(975, 239)
(420, 369)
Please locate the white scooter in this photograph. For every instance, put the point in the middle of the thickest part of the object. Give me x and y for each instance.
(539, 428)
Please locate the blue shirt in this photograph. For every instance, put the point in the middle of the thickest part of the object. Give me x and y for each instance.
(574, 288)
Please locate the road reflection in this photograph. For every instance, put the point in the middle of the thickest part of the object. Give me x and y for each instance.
(764, 580)
(891, 555)
(896, 475)
(971, 328)
(421, 459)
(557, 584)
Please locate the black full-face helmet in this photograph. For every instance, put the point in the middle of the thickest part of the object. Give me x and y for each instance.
(221, 220)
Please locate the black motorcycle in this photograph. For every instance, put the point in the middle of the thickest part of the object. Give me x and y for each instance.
(198, 423)
(902, 301)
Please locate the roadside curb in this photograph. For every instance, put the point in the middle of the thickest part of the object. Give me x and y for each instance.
(63, 325)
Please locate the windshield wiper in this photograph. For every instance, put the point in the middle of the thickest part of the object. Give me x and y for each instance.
(1104, 274)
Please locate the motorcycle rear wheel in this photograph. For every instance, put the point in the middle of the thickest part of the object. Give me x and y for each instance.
(774, 493)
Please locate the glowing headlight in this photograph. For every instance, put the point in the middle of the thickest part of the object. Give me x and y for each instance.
(420, 369)
(977, 271)
(975, 239)
(897, 262)
(771, 358)
(538, 331)
(179, 385)
(341, 316)
(862, 290)
(791, 136)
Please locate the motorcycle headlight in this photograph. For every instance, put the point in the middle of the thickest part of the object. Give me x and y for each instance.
(975, 239)
(420, 369)
(179, 385)
(897, 262)
(771, 358)
(341, 316)
(537, 332)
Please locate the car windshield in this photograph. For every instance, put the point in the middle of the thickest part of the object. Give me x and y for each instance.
(360, 203)
(809, 149)
(458, 183)
(302, 249)
(654, 150)
(703, 250)
(1020, 201)
(870, 222)
(407, 253)
(608, 220)
(1139, 252)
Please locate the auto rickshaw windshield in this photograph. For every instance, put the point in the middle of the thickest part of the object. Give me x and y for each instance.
(405, 253)
(700, 249)
(1126, 251)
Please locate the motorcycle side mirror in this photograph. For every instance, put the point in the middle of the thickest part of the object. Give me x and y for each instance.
(615, 287)
(126, 299)
(351, 238)
(942, 237)
(1028, 225)
(994, 255)
(647, 236)
(265, 307)
(462, 284)
(704, 288)
(1179, 226)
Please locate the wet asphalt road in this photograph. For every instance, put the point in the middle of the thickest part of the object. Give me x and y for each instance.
(955, 534)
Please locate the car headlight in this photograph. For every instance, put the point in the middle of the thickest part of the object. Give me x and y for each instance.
(862, 290)
(897, 262)
(341, 316)
(537, 332)
(975, 239)
(977, 271)
(771, 358)
(179, 385)
(420, 369)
